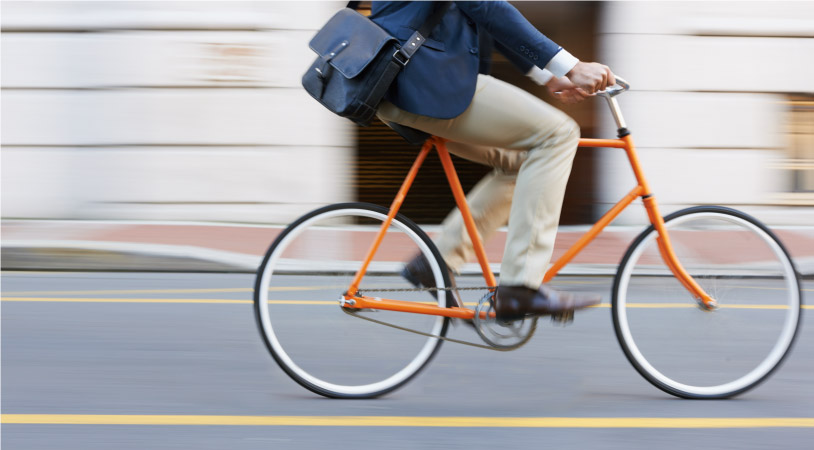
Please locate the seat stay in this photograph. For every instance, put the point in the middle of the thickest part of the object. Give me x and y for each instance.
(394, 209)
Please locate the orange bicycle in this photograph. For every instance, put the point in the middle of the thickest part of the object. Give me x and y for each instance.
(705, 303)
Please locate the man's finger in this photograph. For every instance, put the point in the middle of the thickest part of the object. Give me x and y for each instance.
(604, 83)
(611, 78)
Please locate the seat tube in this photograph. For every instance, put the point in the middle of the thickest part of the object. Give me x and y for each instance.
(460, 200)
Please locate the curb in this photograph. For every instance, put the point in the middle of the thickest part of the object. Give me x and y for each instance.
(74, 245)
(61, 255)
(121, 256)
(126, 256)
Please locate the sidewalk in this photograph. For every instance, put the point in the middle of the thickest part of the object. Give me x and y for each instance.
(207, 247)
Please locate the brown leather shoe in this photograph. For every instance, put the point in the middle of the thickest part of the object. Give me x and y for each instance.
(517, 302)
(419, 274)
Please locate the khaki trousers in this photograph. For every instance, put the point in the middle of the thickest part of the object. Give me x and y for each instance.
(531, 145)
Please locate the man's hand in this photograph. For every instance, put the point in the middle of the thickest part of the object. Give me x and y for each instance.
(591, 77)
(565, 91)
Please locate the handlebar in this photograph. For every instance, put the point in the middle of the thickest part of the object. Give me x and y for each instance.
(612, 91)
(609, 93)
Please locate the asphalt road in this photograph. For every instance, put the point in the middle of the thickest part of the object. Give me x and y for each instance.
(143, 360)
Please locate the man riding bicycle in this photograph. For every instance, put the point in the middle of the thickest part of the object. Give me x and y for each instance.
(530, 144)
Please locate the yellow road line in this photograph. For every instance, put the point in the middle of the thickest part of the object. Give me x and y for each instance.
(413, 421)
(765, 288)
(692, 305)
(124, 300)
(170, 291)
(164, 300)
(334, 302)
(280, 289)
(271, 289)
(134, 291)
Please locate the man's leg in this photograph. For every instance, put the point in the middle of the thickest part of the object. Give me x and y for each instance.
(490, 201)
(506, 117)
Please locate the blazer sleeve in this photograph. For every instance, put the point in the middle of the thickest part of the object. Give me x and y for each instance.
(518, 61)
(512, 31)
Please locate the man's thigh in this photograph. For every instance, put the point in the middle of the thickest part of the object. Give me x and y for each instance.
(507, 162)
(500, 116)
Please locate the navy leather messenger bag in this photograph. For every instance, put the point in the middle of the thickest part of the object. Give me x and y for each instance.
(358, 61)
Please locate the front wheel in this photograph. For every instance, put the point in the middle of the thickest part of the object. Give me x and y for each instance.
(330, 350)
(690, 352)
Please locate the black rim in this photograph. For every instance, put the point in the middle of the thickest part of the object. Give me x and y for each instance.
(617, 279)
(257, 288)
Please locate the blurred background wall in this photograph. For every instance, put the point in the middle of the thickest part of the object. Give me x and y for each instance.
(723, 108)
(166, 111)
(194, 111)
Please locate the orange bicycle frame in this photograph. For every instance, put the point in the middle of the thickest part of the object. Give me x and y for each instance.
(642, 190)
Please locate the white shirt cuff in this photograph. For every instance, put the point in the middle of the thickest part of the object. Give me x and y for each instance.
(540, 76)
(561, 63)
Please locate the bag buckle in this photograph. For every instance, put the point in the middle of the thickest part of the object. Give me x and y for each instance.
(403, 60)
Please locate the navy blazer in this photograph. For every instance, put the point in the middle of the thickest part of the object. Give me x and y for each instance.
(440, 79)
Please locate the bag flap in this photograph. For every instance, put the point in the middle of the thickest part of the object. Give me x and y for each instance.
(349, 41)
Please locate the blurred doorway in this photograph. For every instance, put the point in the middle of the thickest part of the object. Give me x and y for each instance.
(383, 158)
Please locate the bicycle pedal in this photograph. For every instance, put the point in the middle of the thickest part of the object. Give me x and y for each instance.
(563, 318)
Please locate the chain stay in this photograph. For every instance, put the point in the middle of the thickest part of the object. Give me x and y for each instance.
(429, 289)
(355, 313)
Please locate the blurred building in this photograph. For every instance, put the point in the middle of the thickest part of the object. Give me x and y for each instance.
(723, 107)
(166, 111)
(194, 111)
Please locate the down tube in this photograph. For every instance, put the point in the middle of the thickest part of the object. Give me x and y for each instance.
(592, 233)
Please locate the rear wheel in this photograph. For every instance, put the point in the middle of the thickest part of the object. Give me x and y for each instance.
(692, 353)
(303, 276)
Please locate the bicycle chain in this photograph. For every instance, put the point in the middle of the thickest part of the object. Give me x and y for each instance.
(429, 289)
(355, 313)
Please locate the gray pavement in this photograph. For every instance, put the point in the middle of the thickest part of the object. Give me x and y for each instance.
(112, 352)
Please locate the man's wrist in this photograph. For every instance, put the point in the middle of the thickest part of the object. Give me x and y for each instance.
(540, 76)
(561, 63)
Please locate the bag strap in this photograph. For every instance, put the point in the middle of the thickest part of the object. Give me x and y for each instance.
(401, 57)
(419, 37)
(438, 12)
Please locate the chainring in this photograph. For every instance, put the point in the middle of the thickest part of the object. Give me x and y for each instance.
(499, 334)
